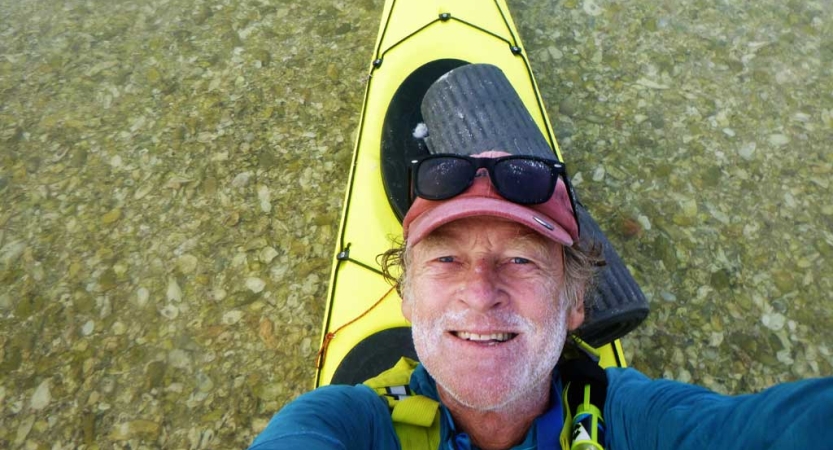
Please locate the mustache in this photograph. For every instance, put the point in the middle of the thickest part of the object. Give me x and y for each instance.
(468, 320)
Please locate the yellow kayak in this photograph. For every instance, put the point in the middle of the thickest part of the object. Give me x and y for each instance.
(419, 41)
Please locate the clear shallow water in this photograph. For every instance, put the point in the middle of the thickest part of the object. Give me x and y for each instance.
(171, 177)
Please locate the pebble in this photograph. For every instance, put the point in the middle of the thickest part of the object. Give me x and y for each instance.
(272, 391)
(142, 296)
(716, 339)
(144, 429)
(204, 382)
(644, 82)
(266, 333)
(778, 140)
(773, 321)
(41, 397)
(23, 430)
(169, 312)
(555, 52)
(689, 207)
(259, 424)
(111, 217)
(263, 195)
(119, 328)
(784, 357)
(268, 254)
(174, 293)
(668, 296)
(241, 180)
(590, 7)
(218, 294)
(11, 251)
(568, 107)
(644, 221)
(599, 174)
(232, 317)
(256, 243)
(789, 200)
(120, 269)
(306, 346)
(747, 150)
(255, 284)
(187, 264)
(88, 328)
(143, 190)
(179, 358)
(784, 280)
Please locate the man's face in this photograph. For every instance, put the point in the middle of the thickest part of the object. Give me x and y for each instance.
(489, 321)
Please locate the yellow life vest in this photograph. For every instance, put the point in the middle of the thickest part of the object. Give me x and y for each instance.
(416, 418)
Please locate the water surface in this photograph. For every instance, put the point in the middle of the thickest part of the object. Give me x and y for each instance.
(172, 174)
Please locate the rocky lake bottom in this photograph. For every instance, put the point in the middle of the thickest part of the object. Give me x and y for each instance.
(172, 176)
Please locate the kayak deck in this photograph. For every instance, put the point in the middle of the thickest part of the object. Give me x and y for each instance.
(418, 42)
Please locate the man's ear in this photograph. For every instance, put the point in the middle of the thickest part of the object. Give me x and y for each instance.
(575, 317)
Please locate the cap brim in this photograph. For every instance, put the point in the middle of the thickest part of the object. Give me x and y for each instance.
(461, 207)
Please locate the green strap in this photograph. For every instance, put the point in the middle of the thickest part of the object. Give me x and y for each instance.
(416, 418)
(416, 410)
(416, 421)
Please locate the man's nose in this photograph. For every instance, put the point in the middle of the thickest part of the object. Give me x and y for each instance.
(481, 290)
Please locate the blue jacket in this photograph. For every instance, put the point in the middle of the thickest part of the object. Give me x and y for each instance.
(640, 414)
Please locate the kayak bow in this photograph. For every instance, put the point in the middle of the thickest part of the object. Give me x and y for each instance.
(418, 41)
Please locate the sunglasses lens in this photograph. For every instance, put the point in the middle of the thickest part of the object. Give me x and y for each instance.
(524, 181)
(442, 178)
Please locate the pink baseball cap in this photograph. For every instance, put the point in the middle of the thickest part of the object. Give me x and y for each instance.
(554, 219)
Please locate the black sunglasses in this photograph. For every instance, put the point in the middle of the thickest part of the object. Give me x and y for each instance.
(526, 180)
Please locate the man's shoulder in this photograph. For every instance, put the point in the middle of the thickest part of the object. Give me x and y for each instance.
(329, 417)
(338, 396)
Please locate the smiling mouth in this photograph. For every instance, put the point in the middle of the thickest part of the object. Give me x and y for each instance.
(491, 338)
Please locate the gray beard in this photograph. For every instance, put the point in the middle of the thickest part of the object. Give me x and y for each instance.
(507, 391)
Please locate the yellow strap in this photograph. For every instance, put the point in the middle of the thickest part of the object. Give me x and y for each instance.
(415, 410)
(567, 429)
(419, 437)
(398, 375)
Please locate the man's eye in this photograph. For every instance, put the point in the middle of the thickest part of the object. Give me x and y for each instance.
(446, 259)
(519, 260)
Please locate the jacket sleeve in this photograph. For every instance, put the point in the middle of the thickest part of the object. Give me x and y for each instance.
(331, 418)
(661, 414)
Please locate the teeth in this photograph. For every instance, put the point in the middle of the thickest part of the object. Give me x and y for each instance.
(501, 337)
